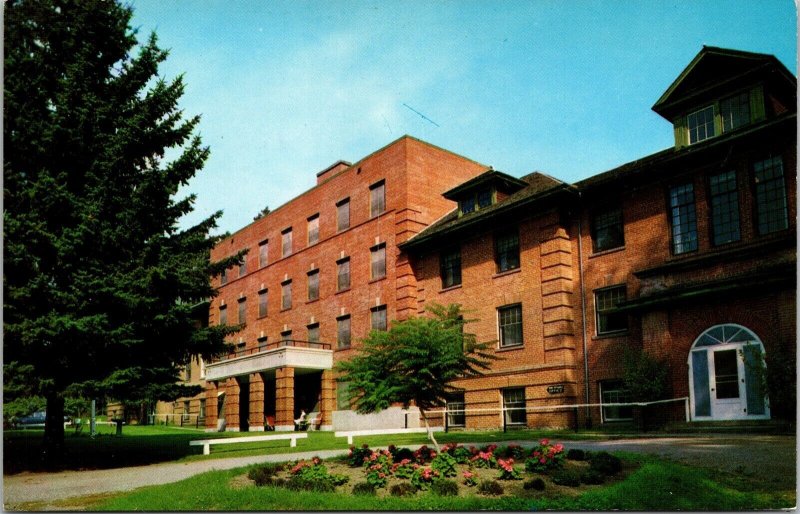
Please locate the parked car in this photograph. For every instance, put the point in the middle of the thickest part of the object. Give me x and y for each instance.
(35, 420)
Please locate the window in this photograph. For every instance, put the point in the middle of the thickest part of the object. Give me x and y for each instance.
(377, 199)
(313, 229)
(262, 303)
(223, 315)
(378, 261)
(286, 295)
(343, 332)
(313, 333)
(510, 323)
(607, 229)
(770, 195)
(684, 219)
(378, 318)
(507, 250)
(484, 198)
(313, 285)
(467, 205)
(701, 124)
(202, 412)
(605, 300)
(188, 371)
(613, 391)
(451, 267)
(242, 310)
(286, 337)
(342, 395)
(724, 208)
(186, 409)
(514, 400)
(223, 279)
(263, 246)
(455, 410)
(343, 274)
(286, 242)
(343, 215)
(735, 111)
(243, 266)
(262, 343)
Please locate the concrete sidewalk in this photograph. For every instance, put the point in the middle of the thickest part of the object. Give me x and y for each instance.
(770, 456)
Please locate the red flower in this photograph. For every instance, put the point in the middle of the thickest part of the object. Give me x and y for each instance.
(544, 442)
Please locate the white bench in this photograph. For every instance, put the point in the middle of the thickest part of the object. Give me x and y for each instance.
(384, 431)
(206, 443)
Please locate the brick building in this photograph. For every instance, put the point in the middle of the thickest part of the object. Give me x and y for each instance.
(688, 254)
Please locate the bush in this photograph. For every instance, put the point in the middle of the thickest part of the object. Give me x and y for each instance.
(567, 477)
(357, 455)
(299, 483)
(490, 488)
(423, 477)
(604, 463)
(507, 470)
(445, 464)
(576, 454)
(544, 457)
(444, 488)
(399, 454)
(263, 474)
(537, 484)
(592, 477)
(364, 489)
(512, 451)
(403, 489)
(424, 454)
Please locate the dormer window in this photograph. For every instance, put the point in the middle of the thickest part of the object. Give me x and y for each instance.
(701, 124)
(735, 111)
(476, 201)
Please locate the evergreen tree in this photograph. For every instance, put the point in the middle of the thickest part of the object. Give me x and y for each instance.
(414, 362)
(101, 286)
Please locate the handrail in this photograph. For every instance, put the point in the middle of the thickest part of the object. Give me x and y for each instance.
(285, 343)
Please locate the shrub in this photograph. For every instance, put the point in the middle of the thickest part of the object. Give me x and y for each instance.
(444, 488)
(404, 469)
(378, 467)
(445, 464)
(604, 463)
(300, 483)
(314, 472)
(403, 489)
(364, 489)
(545, 457)
(263, 474)
(401, 454)
(461, 454)
(357, 455)
(469, 479)
(567, 477)
(512, 451)
(507, 471)
(490, 488)
(423, 477)
(484, 459)
(576, 454)
(424, 454)
(537, 484)
(592, 477)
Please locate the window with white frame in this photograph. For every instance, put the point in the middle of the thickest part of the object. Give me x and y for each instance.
(605, 303)
(455, 410)
(514, 406)
(613, 391)
(509, 319)
(701, 124)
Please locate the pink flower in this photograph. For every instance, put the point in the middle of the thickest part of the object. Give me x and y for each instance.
(536, 453)
(381, 475)
(542, 460)
(559, 447)
(544, 442)
(467, 474)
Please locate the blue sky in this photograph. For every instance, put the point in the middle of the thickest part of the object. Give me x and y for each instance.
(285, 88)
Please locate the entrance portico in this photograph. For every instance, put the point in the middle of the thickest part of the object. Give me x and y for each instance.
(268, 387)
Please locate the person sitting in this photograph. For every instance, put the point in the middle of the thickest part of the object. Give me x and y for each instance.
(301, 423)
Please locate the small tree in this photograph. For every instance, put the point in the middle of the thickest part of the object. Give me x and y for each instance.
(415, 361)
(263, 212)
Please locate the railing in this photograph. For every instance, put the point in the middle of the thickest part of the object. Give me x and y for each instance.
(261, 348)
(180, 420)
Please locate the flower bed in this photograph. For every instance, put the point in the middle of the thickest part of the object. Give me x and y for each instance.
(488, 470)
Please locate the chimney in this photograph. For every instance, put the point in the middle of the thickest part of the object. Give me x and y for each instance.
(332, 170)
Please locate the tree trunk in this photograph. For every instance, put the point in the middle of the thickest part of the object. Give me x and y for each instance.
(53, 442)
(430, 432)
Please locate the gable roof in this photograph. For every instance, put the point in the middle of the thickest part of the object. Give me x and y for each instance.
(713, 67)
(501, 180)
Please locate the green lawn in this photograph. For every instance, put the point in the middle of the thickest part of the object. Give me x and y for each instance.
(655, 485)
(141, 445)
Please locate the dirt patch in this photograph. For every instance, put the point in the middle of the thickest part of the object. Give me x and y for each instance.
(241, 482)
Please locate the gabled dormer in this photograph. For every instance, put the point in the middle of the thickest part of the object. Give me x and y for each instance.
(486, 189)
(724, 90)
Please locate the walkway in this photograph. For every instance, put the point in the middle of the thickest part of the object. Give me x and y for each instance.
(765, 455)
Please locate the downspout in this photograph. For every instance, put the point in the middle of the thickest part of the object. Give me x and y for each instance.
(583, 312)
